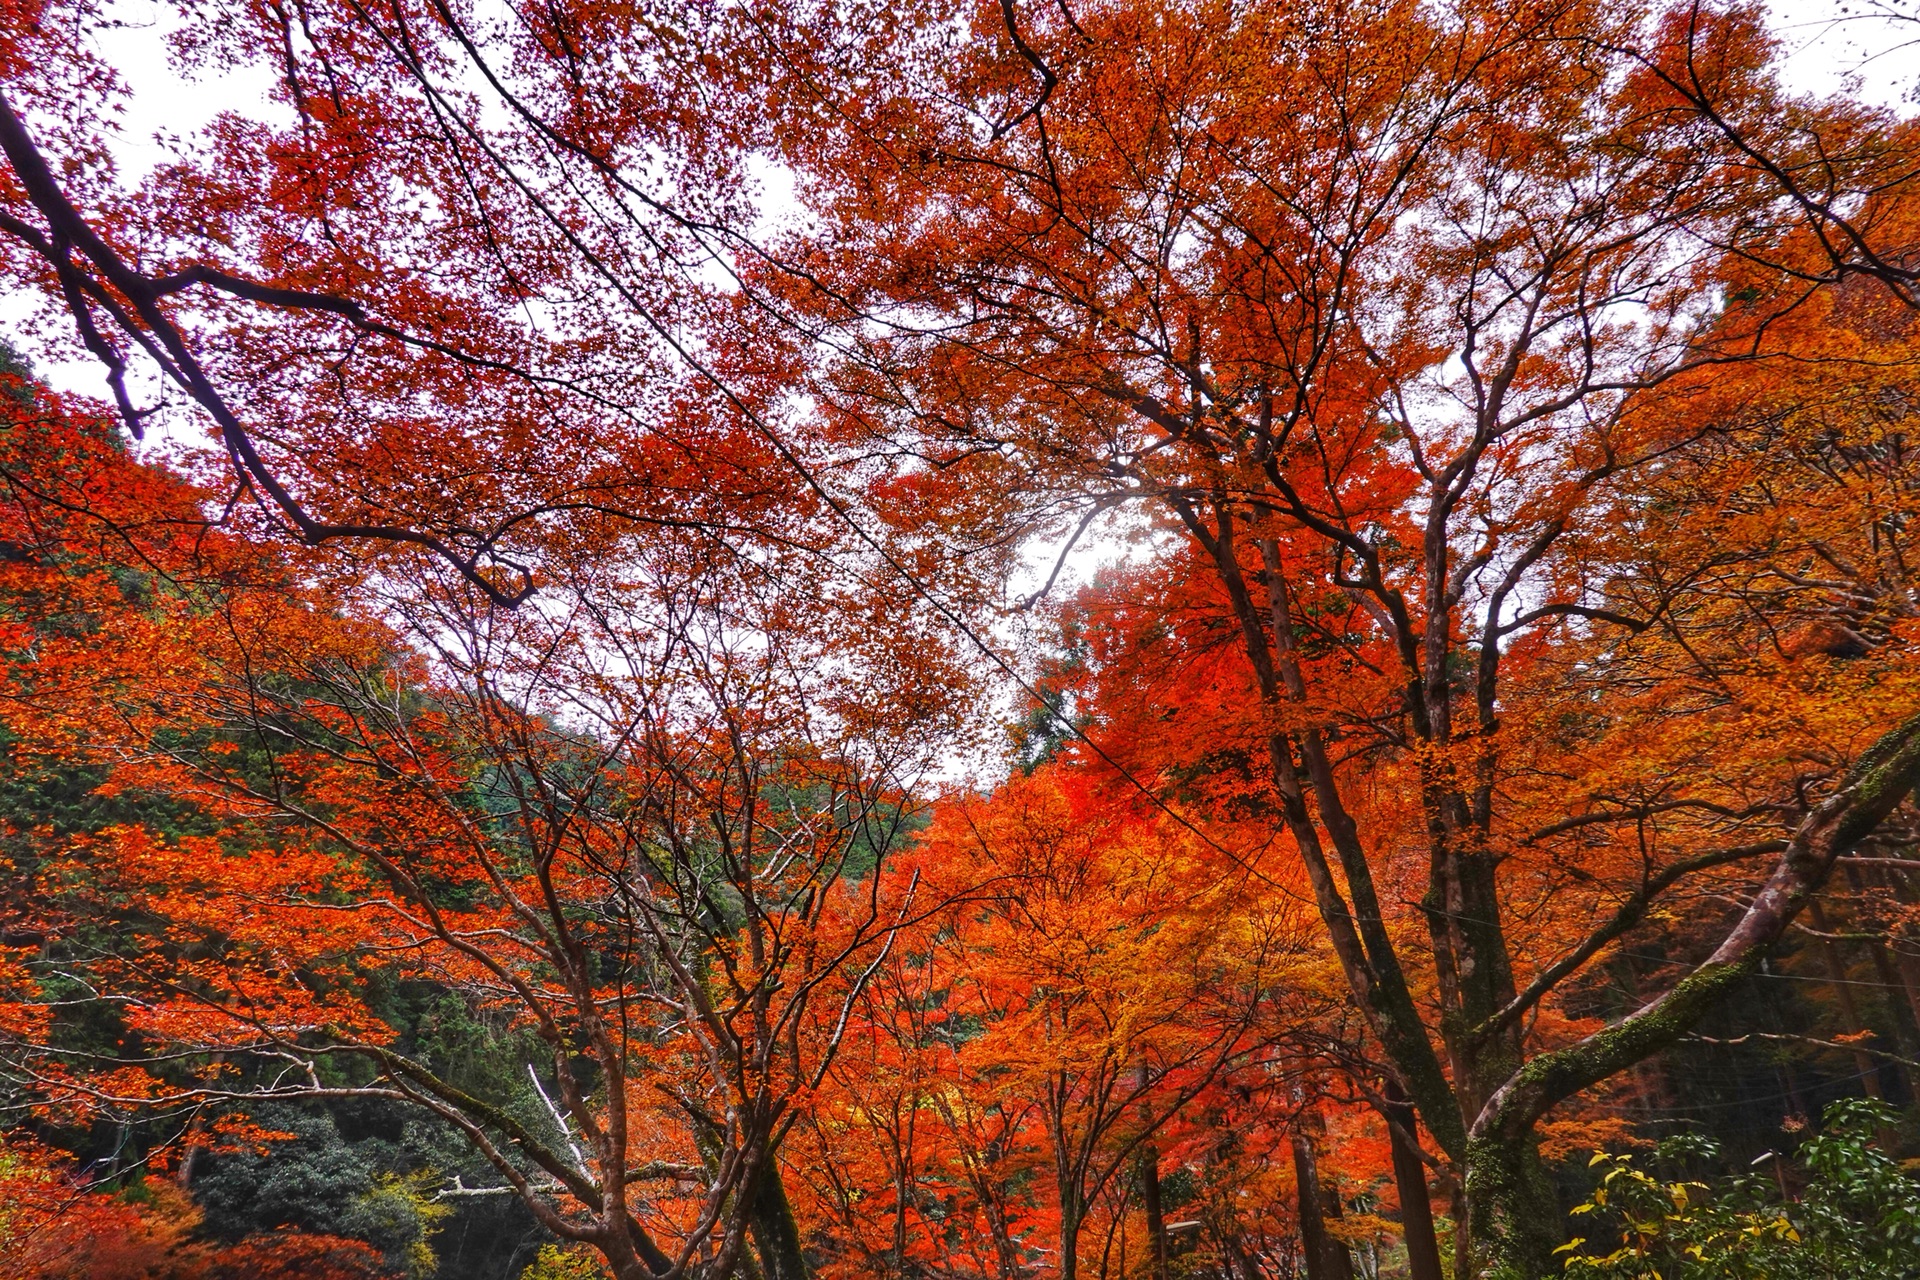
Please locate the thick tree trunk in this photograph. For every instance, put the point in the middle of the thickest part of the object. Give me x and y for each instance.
(1462, 1235)
(1149, 1174)
(776, 1235)
(1069, 1242)
(1514, 1218)
(1147, 1168)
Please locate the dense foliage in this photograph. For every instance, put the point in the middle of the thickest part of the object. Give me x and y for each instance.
(1854, 1212)
(1251, 640)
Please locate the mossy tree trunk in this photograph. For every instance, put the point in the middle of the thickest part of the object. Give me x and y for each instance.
(1514, 1218)
(776, 1233)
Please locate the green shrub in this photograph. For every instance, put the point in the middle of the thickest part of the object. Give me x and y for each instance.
(561, 1262)
(1857, 1216)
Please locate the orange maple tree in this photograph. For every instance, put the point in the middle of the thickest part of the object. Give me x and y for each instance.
(1389, 318)
(1100, 977)
(1505, 399)
(621, 829)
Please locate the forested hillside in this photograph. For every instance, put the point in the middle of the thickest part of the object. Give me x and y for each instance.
(987, 641)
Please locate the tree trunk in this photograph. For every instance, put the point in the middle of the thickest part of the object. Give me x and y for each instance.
(1148, 1169)
(1149, 1172)
(1069, 1241)
(1327, 1257)
(1515, 1221)
(1410, 1176)
(1462, 1237)
(776, 1236)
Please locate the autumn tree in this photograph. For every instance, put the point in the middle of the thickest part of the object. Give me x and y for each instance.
(1101, 977)
(420, 344)
(625, 830)
(1384, 312)
(1442, 353)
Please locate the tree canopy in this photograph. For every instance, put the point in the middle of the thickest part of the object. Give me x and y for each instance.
(957, 641)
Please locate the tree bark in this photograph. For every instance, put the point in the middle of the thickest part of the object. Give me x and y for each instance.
(1410, 1176)
(1149, 1173)
(1148, 1169)
(1069, 1242)
(1514, 1219)
(776, 1235)
(1327, 1257)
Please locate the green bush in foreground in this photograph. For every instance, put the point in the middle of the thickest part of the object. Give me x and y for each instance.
(1856, 1215)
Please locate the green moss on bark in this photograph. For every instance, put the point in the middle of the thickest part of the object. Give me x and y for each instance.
(1515, 1219)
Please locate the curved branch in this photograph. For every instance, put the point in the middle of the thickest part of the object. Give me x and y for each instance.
(1884, 776)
